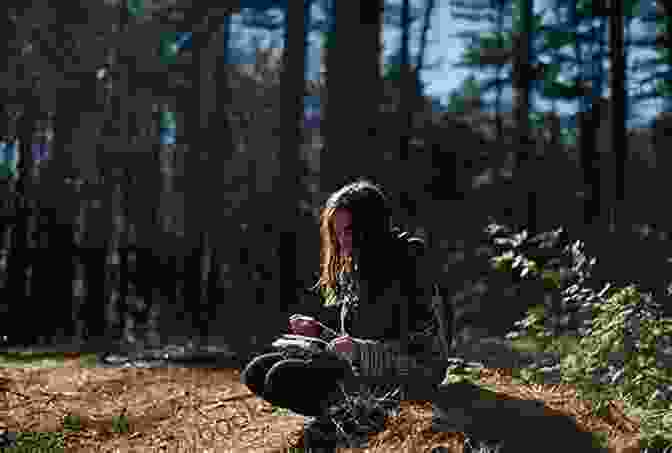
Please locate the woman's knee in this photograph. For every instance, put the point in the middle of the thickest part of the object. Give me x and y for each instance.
(254, 373)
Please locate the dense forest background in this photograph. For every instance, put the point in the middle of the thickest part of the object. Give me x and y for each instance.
(155, 177)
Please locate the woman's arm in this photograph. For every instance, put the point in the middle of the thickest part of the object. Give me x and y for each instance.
(423, 346)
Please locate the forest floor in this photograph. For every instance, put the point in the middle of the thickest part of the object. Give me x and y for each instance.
(69, 400)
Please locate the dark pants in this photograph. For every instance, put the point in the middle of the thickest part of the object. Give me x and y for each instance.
(306, 387)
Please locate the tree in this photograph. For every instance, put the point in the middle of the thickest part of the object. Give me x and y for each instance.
(519, 52)
(199, 159)
(619, 131)
(354, 42)
(41, 35)
(467, 97)
(420, 64)
(292, 107)
(522, 76)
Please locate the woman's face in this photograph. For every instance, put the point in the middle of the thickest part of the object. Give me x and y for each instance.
(343, 229)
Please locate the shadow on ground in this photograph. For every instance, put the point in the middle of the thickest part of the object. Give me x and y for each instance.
(516, 425)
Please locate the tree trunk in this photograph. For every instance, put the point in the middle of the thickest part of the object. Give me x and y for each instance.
(351, 139)
(618, 116)
(588, 124)
(524, 154)
(224, 223)
(200, 163)
(292, 106)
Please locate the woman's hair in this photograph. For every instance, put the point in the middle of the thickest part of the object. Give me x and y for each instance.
(371, 219)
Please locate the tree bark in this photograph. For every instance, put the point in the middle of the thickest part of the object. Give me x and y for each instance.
(522, 77)
(293, 87)
(618, 114)
(351, 134)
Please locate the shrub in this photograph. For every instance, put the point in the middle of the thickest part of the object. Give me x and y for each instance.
(623, 333)
(561, 268)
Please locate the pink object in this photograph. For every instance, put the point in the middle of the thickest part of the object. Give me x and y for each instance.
(305, 325)
(343, 345)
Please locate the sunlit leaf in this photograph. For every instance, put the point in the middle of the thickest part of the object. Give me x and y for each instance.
(168, 120)
(168, 47)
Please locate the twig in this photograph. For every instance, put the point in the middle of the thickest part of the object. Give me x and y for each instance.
(15, 393)
(223, 401)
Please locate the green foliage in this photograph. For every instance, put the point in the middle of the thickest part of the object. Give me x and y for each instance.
(664, 88)
(72, 423)
(168, 47)
(38, 442)
(471, 88)
(557, 39)
(280, 411)
(492, 41)
(620, 346)
(135, 8)
(329, 296)
(120, 423)
(9, 160)
(537, 19)
(628, 317)
(585, 9)
(568, 136)
(466, 97)
(168, 120)
(328, 40)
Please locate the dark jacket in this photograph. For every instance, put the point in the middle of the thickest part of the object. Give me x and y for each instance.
(401, 322)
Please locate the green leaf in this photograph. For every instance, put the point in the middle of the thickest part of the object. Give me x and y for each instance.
(168, 48)
(168, 120)
(329, 296)
(537, 19)
(393, 72)
(632, 8)
(559, 90)
(136, 8)
(664, 88)
(557, 39)
(327, 40)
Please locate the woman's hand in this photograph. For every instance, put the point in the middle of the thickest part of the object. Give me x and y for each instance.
(344, 346)
(304, 325)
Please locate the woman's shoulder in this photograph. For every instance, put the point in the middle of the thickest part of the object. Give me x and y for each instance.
(408, 244)
(417, 259)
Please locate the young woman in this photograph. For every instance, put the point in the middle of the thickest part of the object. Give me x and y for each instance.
(393, 329)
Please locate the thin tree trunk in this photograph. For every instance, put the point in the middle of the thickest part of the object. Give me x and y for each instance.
(23, 250)
(197, 164)
(292, 106)
(223, 225)
(618, 116)
(522, 75)
(124, 252)
(499, 125)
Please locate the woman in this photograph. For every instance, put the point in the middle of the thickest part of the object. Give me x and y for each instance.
(391, 329)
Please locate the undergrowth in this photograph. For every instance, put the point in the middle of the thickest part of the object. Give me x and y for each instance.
(620, 334)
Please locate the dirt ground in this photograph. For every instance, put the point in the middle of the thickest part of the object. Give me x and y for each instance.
(208, 410)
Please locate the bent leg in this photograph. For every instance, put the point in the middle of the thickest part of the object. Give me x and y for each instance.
(254, 373)
(301, 387)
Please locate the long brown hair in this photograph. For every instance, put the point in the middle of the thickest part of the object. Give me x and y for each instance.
(371, 218)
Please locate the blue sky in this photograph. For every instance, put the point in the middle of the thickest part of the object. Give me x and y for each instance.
(444, 46)
(447, 78)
